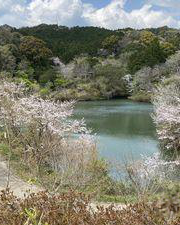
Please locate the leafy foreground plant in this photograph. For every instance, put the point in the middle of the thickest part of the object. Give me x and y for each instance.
(58, 151)
(74, 209)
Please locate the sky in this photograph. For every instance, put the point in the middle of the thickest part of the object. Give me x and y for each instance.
(111, 14)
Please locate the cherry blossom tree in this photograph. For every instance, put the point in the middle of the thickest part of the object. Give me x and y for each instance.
(151, 173)
(167, 117)
(47, 136)
(173, 63)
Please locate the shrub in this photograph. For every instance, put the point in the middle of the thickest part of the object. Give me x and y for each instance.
(151, 174)
(57, 149)
(113, 78)
(147, 78)
(141, 97)
(75, 209)
(173, 63)
(44, 92)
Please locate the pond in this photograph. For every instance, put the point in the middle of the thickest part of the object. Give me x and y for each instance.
(124, 128)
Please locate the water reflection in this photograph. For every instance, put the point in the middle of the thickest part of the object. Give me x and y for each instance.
(123, 127)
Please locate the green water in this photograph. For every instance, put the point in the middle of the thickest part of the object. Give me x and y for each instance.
(124, 128)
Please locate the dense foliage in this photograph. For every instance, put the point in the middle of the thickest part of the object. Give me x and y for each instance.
(35, 50)
(87, 62)
(66, 43)
(148, 47)
(75, 209)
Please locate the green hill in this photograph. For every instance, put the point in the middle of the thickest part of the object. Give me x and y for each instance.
(66, 43)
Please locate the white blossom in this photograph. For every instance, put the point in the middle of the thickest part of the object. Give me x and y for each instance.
(154, 170)
(47, 133)
(55, 116)
(167, 116)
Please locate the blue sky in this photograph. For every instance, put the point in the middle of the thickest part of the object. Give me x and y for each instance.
(130, 5)
(97, 3)
(111, 14)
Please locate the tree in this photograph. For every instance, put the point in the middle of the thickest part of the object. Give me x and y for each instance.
(167, 116)
(173, 63)
(35, 50)
(5, 36)
(147, 37)
(168, 48)
(110, 42)
(143, 80)
(113, 80)
(154, 54)
(147, 55)
(47, 76)
(7, 59)
(49, 140)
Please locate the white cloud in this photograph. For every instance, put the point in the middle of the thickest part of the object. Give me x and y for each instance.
(67, 12)
(108, 16)
(146, 17)
(114, 16)
(12, 12)
(75, 12)
(166, 3)
(19, 12)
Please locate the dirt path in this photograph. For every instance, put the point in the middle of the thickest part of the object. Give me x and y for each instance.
(16, 185)
(20, 188)
(117, 206)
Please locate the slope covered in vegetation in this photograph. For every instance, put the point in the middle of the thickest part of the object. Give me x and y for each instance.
(66, 43)
(87, 62)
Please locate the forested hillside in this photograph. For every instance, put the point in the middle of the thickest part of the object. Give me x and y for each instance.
(67, 43)
(88, 62)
